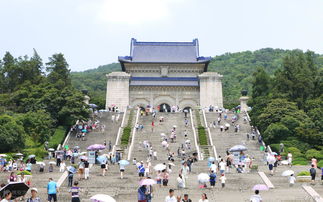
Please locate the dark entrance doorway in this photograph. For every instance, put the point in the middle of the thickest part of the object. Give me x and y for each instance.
(163, 107)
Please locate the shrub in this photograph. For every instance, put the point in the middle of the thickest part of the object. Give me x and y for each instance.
(202, 135)
(304, 173)
(25, 172)
(125, 135)
(320, 164)
(302, 163)
(275, 147)
(311, 153)
(58, 137)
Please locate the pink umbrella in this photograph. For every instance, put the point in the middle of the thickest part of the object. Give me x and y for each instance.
(147, 182)
(96, 147)
(260, 187)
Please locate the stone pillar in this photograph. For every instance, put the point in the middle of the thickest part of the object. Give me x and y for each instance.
(243, 103)
(210, 89)
(118, 90)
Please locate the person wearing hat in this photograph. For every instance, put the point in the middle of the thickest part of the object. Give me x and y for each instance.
(34, 197)
(6, 196)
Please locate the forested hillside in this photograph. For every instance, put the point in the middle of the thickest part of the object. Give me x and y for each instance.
(236, 68)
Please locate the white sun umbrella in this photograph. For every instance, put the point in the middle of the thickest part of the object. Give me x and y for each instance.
(40, 163)
(162, 134)
(159, 167)
(164, 143)
(287, 173)
(3, 155)
(227, 125)
(52, 162)
(19, 154)
(102, 198)
(271, 159)
(284, 162)
(174, 126)
(170, 163)
(203, 177)
(238, 148)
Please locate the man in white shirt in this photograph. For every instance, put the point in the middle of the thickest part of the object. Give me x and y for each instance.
(171, 197)
(213, 167)
(291, 180)
(256, 197)
(222, 166)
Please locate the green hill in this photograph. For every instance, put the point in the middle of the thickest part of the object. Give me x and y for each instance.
(236, 68)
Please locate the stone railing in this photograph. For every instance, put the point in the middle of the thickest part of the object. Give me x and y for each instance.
(133, 135)
(195, 136)
(210, 136)
(119, 131)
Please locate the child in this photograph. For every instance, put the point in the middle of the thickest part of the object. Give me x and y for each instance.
(292, 180)
(223, 178)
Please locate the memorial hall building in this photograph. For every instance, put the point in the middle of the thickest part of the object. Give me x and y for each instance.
(164, 74)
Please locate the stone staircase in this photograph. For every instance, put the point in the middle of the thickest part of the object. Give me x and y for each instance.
(225, 140)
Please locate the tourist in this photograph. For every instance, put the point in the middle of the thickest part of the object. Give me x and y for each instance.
(204, 198)
(314, 162)
(159, 178)
(213, 167)
(180, 182)
(149, 192)
(165, 178)
(212, 179)
(155, 155)
(322, 175)
(271, 167)
(186, 199)
(171, 197)
(62, 167)
(86, 170)
(70, 179)
(256, 197)
(185, 170)
(289, 159)
(122, 169)
(34, 197)
(6, 196)
(81, 170)
(186, 122)
(52, 190)
(141, 169)
(104, 167)
(12, 177)
(41, 168)
(291, 180)
(75, 192)
(222, 166)
(29, 166)
(142, 194)
(51, 167)
(313, 173)
(223, 179)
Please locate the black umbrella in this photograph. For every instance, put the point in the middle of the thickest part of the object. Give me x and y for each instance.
(16, 188)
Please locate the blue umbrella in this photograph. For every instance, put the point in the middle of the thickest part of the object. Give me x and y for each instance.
(71, 169)
(84, 131)
(211, 159)
(101, 159)
(75, 154)
(124, 162)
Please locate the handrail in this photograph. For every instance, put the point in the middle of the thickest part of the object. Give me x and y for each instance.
(195, 137)
(133, 135)
(119, 132)
(210, 136)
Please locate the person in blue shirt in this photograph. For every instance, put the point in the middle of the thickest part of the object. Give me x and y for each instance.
(142, 197)
(141, 169)
(212, 179)
(52, 190)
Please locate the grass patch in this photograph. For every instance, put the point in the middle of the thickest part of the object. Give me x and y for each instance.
(58, 137)
(202, 135)
(300, 162)
(127, 130)
(303, 173)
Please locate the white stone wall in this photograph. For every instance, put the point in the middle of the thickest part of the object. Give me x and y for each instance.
(211, 89)
(154, 96)
(118, 90)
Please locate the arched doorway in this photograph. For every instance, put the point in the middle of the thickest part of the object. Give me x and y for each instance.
(163, 107)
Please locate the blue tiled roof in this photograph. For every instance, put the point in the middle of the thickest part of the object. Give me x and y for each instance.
(164, 81)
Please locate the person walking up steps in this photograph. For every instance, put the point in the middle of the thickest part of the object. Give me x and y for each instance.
(223, 179)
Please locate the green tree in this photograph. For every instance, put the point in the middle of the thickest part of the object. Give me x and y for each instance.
(59, 74)
(260, 83)
(12, 136)
(276, 132)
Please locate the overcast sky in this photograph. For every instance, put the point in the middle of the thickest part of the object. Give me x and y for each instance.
(95, 32)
